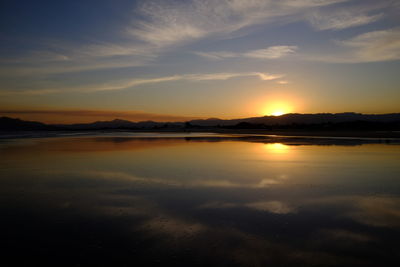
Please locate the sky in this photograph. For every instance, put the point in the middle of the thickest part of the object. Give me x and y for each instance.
(80, 61)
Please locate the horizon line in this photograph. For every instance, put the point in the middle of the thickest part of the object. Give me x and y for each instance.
(188, 120)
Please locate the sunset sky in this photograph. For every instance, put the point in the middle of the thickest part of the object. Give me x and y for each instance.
(76, 61)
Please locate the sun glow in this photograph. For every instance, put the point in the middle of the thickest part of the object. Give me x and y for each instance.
(278, 113)
(277, 109)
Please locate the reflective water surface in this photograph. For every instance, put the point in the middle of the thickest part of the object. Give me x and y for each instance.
(125, 201)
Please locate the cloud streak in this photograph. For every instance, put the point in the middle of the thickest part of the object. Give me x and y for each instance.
(375, 46)
(349, 16)
(131, 83)
(158, 25)
(272, 52)
(185, 77)
(168, 23)
(342, 20)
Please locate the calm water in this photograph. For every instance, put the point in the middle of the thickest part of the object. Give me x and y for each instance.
(124, 201)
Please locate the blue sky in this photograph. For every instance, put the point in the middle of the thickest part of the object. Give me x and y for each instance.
(169, 60)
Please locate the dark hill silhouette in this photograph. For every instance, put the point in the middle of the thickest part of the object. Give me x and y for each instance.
(296, 118)
(10, 124)
(329, 121)
(121, 124)
(114, 124)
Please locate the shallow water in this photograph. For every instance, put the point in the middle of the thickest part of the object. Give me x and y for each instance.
(123, 201)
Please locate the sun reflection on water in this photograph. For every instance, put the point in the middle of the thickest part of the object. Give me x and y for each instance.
(277, 148)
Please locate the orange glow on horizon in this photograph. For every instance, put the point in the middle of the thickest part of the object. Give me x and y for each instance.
(277, 109)
(278, 113)
(70, 116)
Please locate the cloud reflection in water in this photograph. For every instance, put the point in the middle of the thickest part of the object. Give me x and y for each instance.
(183, 202)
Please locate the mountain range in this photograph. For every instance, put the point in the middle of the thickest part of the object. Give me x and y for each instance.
(287, 121)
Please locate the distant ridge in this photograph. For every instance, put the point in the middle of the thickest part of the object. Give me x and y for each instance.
(287, 121)
(10, 124)
(298, 118)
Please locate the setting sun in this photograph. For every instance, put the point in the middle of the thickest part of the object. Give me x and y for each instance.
(277, 109)
(277, 113)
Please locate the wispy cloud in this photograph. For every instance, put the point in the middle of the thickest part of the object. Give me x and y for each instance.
(70, 66)
(186, 77)
(372, 46)
(282, 82)
(158, 25)
(112, 49)
(131, 83)
(376, 46)
(60, 57)
(217, 55)
(272, 52)
(168, 23)
(354, 14)
(341, 20)
(268, 77)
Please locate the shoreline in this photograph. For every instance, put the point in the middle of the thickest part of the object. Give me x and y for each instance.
(259, 136)
(342, 134)
(281, 133)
